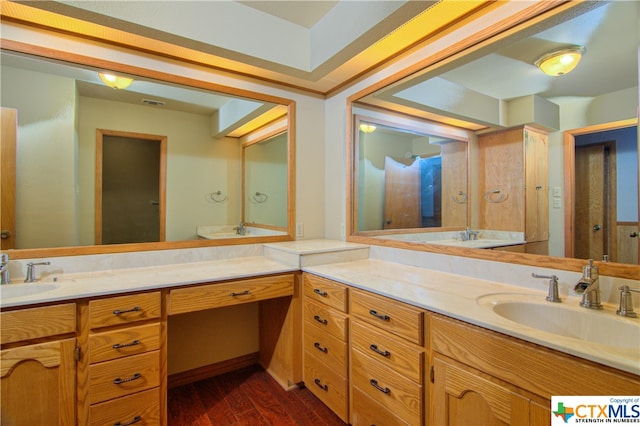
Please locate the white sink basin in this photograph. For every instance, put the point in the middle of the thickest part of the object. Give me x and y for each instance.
(10, 291)
(564, 319)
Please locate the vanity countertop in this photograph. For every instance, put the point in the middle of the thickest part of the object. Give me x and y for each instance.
(101, 283)
(449, 294)
(457, 296)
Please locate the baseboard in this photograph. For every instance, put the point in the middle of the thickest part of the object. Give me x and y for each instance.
(207, 371)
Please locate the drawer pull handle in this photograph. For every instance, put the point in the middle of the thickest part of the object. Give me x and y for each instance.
(240, 293)
(320, 385)
(126, 345)
(134, 309)
(374, 348)
(135, 420)
(119, 381)
(320, 320)
(320, 348)
(320, 292)
(375, 384)
(377, 315)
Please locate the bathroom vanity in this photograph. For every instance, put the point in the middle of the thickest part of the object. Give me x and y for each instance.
(376, 340)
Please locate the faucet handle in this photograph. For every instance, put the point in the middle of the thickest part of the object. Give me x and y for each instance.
(553, 294)
(626, 303)
(31, 273)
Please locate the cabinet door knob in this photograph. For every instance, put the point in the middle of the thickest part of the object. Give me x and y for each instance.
(633, 235)
(596, 227)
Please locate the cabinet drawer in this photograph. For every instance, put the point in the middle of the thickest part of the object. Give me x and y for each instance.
(390, 351)
(140, 409)
(392, 391)
(329, 386)
(367, 412)
(328, 349)
(326, 291)
(113, 379)
(120, 343)
(32, 323)
(124, 309)
(395, 317)
(327, 319)
(226, 294)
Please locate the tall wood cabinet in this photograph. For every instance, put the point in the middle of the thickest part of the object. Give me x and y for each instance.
(38, 380)
(514, 184)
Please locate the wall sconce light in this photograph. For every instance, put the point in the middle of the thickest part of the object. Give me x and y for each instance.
(561, 61)
(367, 128)
(115, 81)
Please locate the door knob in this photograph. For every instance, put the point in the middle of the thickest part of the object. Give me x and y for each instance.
(5, 235)
(596, 227)
(633, 234)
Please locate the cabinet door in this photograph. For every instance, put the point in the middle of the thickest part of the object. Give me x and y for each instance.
(536, 186)
(38, 384)
(461, 397)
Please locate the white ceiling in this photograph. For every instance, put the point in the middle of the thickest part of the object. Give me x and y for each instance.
(305, 13)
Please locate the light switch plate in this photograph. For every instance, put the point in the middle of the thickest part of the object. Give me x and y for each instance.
(557, 191)
(557, 203)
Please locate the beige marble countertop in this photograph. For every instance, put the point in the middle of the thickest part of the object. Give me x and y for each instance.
(91, 284)
(458, 297)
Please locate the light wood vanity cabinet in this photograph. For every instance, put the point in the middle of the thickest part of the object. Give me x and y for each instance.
(513, 184)
(325, 342)
(387, 361)
(38, 380)
(124, 360)
(484, 377)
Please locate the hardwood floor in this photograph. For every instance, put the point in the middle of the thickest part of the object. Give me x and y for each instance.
(250, 397)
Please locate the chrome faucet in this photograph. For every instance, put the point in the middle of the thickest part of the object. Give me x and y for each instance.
(31, 271)
(468, 234)
(4, 269)
(240, 229)
(552, 294)
(589, 287)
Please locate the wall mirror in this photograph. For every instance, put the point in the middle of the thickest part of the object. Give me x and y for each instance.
(411, 175)
(265, 181)
(71, 127)
(494, 85)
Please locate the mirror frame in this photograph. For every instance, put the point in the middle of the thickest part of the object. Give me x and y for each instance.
(47, 53)
(473, 45)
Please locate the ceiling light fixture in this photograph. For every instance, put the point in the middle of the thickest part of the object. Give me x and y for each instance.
(560, 62)
(115, 81)
(367, 128)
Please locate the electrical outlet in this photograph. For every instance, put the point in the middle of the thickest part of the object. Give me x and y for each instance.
(557, 203)
(299, 230)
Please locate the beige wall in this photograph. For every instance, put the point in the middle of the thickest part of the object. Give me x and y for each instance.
(46, 164)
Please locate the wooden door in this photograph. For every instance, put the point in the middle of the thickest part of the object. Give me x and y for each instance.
(38, 384)
(130, 187)
(401, 194)
(462, 397)
(455, 185)
(594, 202)
(8, 139)
(536, 186)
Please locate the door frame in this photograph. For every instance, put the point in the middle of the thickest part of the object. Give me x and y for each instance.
(9, 138)
(570, 174)
(162, 140)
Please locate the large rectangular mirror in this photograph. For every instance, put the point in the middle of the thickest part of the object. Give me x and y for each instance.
(145, 167)
(523, 119)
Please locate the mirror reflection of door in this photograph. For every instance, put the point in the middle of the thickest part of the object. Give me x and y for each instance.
(606, 201)
(594, 203)
(130, 190)
(8, 177)
(402, 194)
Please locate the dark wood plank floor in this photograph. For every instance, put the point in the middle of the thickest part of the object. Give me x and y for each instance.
(250, 397)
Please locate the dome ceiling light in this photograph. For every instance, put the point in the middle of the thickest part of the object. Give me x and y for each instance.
(560, 62)
(115, 81)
